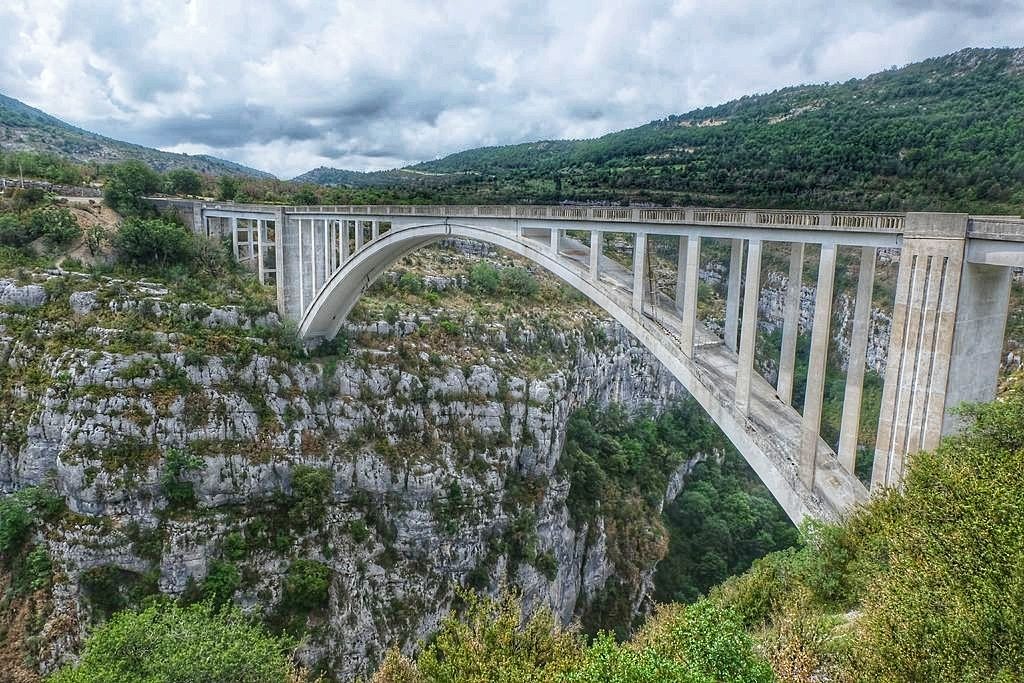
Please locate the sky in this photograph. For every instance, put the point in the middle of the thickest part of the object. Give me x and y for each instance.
(290, 85)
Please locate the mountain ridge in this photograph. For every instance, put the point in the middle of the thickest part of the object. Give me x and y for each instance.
(946, 133)
(25, 128)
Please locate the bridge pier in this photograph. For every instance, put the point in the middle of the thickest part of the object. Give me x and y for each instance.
(745, 367)
(791, 322)
(690, 287)
(639, 271)
(815, 391)
(596, 241)
(849, 429)
(732, 295)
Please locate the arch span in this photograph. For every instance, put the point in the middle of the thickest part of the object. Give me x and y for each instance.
(768, 437)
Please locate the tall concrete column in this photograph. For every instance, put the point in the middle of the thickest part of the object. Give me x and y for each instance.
(234, 237)
(681, 273)
(814, 393)
(596, 238)
(359, 235)
(745, 368)
(556, 238)
(281, 264)
(791, 322)
(925, 316)
(639, 271)
(374, 230)
(732, 296)
(343, 227)
(690, 295)
(301, 267)
(849, 431)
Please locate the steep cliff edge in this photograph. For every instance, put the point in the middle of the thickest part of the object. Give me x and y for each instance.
(201, 454)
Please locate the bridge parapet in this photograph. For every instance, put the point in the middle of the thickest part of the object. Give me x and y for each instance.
(886, 222)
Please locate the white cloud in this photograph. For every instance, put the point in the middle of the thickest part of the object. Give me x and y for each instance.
(293, 84)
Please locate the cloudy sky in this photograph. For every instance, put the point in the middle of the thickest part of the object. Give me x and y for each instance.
(288, 85)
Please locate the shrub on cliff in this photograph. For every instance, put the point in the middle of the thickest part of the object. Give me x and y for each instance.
(153, 242)
(129, 184)
(167, 643)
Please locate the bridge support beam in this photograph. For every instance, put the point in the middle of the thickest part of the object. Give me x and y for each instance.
(556, 239)
(925, 315)
(689, 314)
(374, 230)
(814, 393)
(681, 273)
(596, 241)
(791, 322)
(639, 271)
(745, 368)
(849, 430)
(732, 295)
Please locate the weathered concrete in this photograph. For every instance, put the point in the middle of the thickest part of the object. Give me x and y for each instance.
(732, 295)
(814, 392)
(791, 322)
(849, 430)
(745, 368)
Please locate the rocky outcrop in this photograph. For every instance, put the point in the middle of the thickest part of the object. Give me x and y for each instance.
(439, 472)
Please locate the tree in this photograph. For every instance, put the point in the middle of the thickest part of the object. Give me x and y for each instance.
(153, 241)
(168, 643)
(227, 187)
(129, 183)
(184, 181)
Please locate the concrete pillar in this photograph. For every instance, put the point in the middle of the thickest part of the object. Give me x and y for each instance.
(814, 393)
(978, 338)
(925, 316)
(745, 367)
(556, 237)
(732, 297)
(690, 295)
(791, 322)
(359, 235)
(374, 230)
(234, 237)
(596, 239)
(639, 271)
(281, 263)
(301, 269)
(849, 430)
(343, 227)
(681, 273)
(261, 229)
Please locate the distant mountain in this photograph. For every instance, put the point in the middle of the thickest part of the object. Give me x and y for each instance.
(25, 128)
(336, 177)
(946, 133)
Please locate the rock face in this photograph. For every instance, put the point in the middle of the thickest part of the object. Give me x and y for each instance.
(436, 472)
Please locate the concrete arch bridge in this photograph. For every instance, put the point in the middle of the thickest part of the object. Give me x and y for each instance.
(949, 311)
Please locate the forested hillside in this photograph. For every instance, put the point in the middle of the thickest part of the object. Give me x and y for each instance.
(943, 134)
(24, 128)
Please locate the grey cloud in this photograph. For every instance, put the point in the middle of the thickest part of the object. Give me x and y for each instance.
(295, 84)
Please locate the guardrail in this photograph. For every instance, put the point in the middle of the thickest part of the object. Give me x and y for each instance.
(996, 228)
(875, 222)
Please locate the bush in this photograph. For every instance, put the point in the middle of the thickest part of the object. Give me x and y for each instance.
(312, 488)
(57, 225)
(484, 278)
(127, 187)
(519, 282)
(167, 643)
(178, 465)
(222, 580)
(153, 242)
(184, 181)
(410, 283)
(306, 586)
(20, 511)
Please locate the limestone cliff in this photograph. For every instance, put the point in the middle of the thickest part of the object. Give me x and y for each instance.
(195, 447)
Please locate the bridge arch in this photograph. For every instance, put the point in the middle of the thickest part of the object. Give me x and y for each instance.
(835, 490)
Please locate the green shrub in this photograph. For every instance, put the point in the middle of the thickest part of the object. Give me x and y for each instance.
(56, 224)
(20, 511)
(410, 283)
(306, 586)
(519, 282)
(153, 242)
(179, 464)
(312, 488)
(168, 643)
(221, 582)
(484, 278)
(184, 181)
(129, 184)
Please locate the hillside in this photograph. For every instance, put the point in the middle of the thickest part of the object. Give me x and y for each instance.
(946, 133)
(24, 128)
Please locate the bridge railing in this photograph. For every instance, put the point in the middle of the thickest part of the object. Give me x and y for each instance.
(854, 221)
(996, 228)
